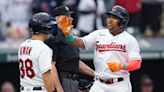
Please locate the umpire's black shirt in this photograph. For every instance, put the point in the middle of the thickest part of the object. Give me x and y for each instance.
(65, 55)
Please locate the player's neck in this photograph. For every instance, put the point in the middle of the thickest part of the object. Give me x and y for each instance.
(116, 32)
(38, 37)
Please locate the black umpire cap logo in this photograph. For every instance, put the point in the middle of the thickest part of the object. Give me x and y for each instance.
(61, 10)
(67, 8)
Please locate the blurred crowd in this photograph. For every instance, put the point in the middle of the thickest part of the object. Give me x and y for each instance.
(7, 86)
(145, 16)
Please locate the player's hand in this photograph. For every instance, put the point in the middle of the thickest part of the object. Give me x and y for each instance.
(102, 75)
(60, 90)
(66, 25)
(115, 66)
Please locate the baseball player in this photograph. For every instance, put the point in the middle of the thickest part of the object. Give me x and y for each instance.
(116, 52)
(35, 57)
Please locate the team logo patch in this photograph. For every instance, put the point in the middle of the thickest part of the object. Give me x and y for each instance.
(114, 8)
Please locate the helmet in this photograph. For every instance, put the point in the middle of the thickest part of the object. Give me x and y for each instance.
(40, 22)
(121, 13)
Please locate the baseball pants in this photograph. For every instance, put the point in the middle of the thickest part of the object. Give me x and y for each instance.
(122, 86)
(70, 85)
(32, 89)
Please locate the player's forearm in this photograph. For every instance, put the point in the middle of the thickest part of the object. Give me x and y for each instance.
(56, 79)
(129, 66)
(47, 77)
(85, 69)
(77, 42)
(133, 65)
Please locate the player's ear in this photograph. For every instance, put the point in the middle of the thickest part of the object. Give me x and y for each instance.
(118, 22)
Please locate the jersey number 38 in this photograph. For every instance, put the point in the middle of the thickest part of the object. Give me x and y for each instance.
(26, 68)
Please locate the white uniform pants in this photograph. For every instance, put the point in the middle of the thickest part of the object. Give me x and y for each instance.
(30, 89)
(122, 86)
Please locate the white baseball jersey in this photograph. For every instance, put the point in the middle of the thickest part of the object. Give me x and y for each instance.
(35, 58)
(120, 48)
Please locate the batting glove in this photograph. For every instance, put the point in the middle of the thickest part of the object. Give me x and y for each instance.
(115, 66)
(66, 25)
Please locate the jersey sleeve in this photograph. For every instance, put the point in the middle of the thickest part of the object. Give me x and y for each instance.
(133, 50)
(45, 59)
(90, 40)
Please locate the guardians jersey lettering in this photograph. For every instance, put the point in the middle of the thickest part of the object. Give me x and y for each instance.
(110, 47)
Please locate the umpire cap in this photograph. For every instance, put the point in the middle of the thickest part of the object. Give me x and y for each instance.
(61, 10)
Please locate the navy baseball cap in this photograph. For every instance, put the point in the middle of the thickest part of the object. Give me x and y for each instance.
(61, 10)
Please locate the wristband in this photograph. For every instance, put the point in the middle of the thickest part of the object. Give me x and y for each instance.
(70, 38)
(124, 66)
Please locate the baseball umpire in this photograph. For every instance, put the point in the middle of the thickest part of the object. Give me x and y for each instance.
(116, 52)
(66, 57)
(35, 57)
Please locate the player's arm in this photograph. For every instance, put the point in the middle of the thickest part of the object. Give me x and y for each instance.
(66, 27)
(47, 78)
(56, 78)
(131, 65)
(77, 42)
(85, 69)
(45, 68)
(134, 58)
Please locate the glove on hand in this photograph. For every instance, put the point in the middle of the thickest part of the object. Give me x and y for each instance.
(115, 66)
(66, 25)
(84, 84)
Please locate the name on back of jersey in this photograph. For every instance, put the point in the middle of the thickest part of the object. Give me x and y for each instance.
(25, 50)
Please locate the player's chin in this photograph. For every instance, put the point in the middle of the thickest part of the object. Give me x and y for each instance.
(110, 27)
